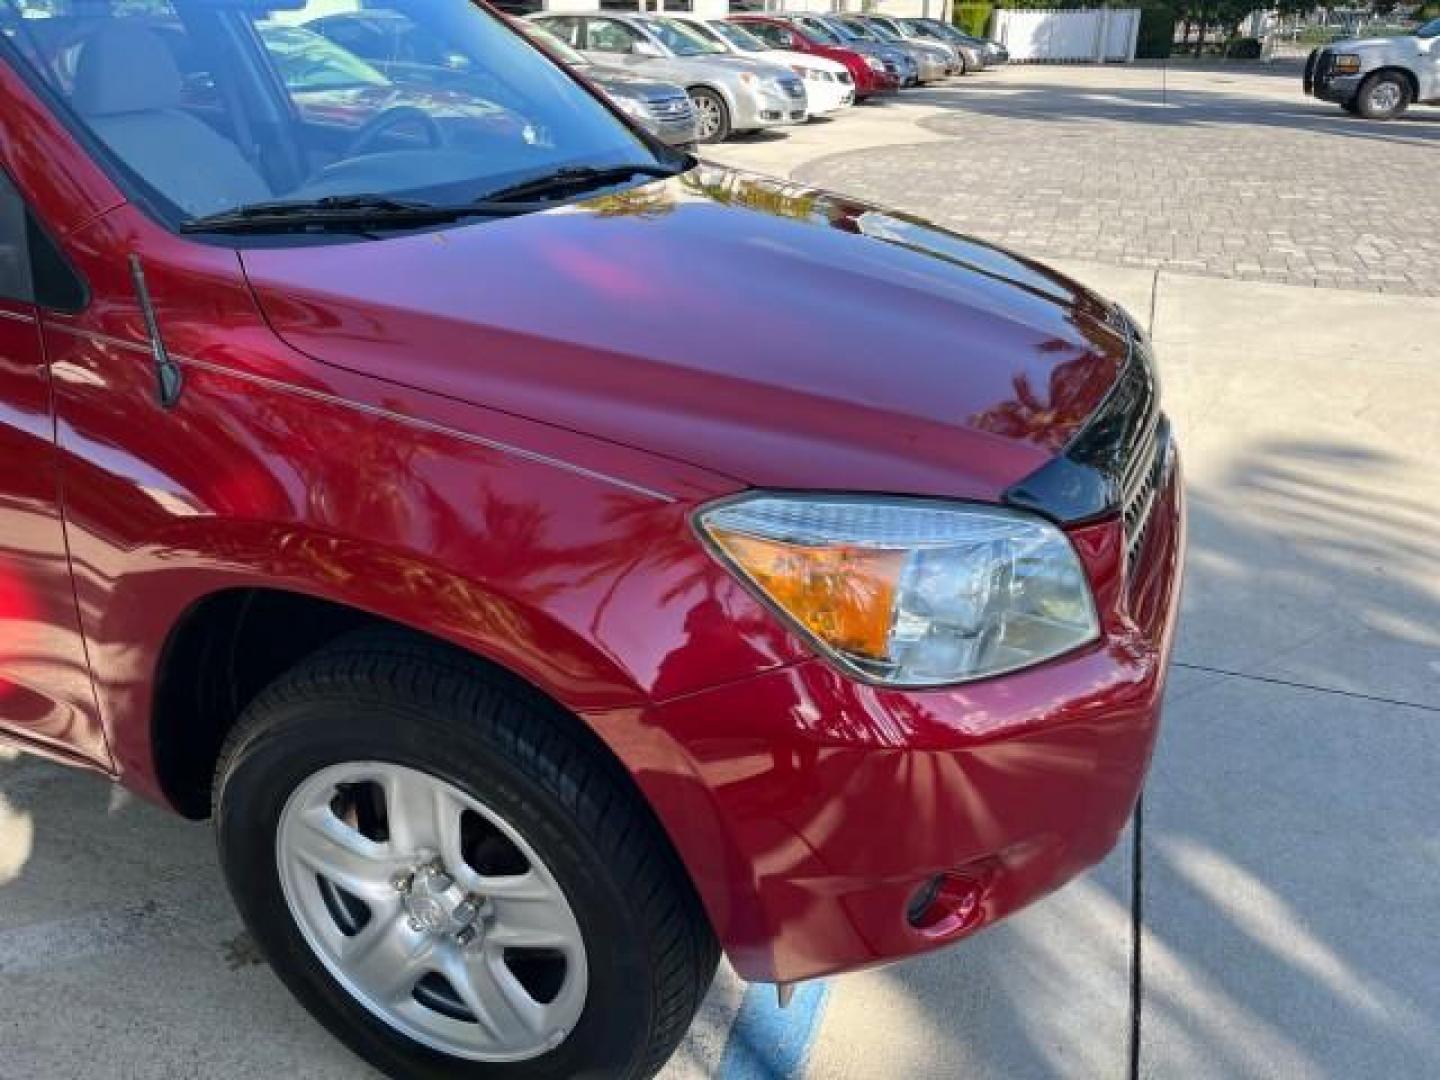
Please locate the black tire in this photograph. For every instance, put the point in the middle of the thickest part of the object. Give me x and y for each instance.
(709, 103)
(380, 697)
(1383, 96)
(1352, 107)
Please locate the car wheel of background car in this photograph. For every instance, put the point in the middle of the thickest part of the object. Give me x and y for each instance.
(1383, 96)
(712, 118)
(454, 876)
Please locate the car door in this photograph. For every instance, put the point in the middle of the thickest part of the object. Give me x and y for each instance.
(46, 695)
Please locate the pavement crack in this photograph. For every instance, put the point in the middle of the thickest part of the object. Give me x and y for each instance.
(1356, 694)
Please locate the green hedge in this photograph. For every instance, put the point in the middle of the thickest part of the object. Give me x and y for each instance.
(1244, 48)
(973, 18)
(1157, 31)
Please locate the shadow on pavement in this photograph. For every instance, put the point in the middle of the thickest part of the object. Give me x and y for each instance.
(1173, 107)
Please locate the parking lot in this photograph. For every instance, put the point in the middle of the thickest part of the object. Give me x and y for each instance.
(1287, 868)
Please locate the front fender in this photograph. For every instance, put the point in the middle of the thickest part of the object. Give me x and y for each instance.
(567, 560)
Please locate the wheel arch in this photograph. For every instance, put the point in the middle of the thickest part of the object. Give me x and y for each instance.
(227, 645)
(1412, 82)
(259, 633)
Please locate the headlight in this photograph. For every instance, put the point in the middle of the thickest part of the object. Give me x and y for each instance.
(909, 592)
(1347, 63)
(632, 107)
(874, 63)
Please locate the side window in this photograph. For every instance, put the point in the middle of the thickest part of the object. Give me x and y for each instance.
(567, 29)
(15, 283)
(770, 34)
(611, 37)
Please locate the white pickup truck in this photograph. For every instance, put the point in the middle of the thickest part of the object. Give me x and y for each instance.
(1378, 78)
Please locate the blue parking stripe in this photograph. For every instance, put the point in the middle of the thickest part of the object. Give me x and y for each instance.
(771, 1043)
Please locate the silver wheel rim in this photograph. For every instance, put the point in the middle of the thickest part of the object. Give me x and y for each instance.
(1384, 97)
(708, 110)
(377, 864)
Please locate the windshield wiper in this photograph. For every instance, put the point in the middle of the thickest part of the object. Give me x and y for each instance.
(576, 178)
(358, 212)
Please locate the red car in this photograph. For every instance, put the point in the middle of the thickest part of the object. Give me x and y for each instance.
(551, 561)
(869, 74)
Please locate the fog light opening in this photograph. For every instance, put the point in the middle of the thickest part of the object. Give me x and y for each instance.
(947, 904)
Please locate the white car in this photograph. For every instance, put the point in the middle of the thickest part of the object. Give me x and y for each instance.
(828, 86)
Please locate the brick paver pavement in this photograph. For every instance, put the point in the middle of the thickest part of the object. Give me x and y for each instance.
(1229, 174)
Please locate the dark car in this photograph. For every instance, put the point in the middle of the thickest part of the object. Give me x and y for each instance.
(549, 560)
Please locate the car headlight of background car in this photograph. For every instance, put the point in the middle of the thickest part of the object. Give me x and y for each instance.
(909, 592)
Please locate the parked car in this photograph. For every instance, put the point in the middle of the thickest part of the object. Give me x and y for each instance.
(976, 54)
(867, 71)
(900, 32)
(729, 93)
(661, 108)
(1378, 78)
(828, 85)
(897, 61)
(551, 561)
(932, 61)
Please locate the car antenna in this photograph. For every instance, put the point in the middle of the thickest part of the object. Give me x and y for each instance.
(169, 379)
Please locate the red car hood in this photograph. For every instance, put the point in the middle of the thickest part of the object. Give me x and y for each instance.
(771, 333)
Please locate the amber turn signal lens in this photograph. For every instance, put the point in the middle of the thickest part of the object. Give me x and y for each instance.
(843, 595)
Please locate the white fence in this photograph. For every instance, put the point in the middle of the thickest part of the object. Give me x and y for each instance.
(1098, 35)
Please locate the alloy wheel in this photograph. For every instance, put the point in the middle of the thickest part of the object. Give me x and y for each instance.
(708, 118)
(432, 911)
(1385, 97)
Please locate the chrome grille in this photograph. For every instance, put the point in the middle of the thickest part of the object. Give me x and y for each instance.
(1142, 484)
(672, 109)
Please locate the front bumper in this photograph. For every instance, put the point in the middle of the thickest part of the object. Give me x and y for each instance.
(828, 97)
(673, 132)
(1321, 80)
(932, 69)
(765, 110)
(821, 806)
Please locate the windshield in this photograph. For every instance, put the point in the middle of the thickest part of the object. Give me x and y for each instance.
(851, 31)
(883, 32)
(683, 40)
(742, 39)
(1429, 30)
(206, 106)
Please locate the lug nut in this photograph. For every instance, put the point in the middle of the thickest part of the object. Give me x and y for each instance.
(403, 881)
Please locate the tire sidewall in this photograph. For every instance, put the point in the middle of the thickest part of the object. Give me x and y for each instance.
(1368, 88)
(300, 741)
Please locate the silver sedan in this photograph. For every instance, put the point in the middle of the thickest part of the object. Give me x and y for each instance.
(730, 93)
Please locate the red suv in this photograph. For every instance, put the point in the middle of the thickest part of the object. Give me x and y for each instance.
(869, 73)
(550, 561)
